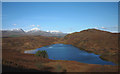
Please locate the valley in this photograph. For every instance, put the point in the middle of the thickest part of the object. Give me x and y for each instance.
(92, 40)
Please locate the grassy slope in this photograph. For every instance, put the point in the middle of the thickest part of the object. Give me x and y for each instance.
(97, 41)
(12, 57)
(27, 42)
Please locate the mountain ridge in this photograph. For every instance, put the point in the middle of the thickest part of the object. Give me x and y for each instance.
(34, 31)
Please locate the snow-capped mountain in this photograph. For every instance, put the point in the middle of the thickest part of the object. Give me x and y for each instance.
(54, 31)
(13, 32)
(33, 31)
(36, 31)
(18, 30)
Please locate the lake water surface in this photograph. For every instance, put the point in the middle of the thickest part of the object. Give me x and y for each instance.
(69, 52)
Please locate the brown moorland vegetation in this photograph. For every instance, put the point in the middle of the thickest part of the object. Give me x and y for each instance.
(97, 41)
(13, 58)
(26, 42)
(20, 62)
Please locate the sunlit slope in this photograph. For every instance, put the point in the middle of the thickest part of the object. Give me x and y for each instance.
(93, 40)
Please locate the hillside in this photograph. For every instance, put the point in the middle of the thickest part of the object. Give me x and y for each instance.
(26, 42)
(100, 42)
(14, 32)
(13, 58)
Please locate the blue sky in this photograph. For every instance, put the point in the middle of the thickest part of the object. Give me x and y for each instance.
(61, 16)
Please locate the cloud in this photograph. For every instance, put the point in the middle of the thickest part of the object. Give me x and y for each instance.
(32, 25)
(38, 25)
(100, 27)
(96, 28)
(103, 27)
(53, 31)
(35, 28)
(35, 25)
(14, 24)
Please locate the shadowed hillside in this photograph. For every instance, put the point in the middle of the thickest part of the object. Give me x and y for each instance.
(93, 40)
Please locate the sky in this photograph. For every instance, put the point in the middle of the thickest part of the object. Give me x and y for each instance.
(66, 17)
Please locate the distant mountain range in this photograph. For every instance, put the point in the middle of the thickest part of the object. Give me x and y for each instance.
(34, 31)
